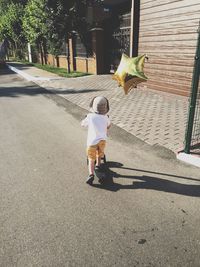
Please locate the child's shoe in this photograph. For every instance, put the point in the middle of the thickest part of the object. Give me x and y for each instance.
(90, 179)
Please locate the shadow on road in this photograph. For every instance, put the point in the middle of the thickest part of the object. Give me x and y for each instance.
(32, 90)
(17, 91)
(8, 77)
(147, 182)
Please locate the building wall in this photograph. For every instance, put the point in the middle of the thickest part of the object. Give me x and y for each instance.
(62, 61)
(92, 64)
(86, 65)
(168, 35)
(50, 59)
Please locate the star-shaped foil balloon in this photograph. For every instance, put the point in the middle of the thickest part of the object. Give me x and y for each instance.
(130, 72)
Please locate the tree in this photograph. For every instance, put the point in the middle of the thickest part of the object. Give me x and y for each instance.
(35, 24)
(48, 22)
(58, 23)
(5, 3)
(64, 17)
(11, 25)
(34, 21)
(42, 22)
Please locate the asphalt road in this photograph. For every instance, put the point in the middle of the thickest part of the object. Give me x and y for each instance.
(147, 215)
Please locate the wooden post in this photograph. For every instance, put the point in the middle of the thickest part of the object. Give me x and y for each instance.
(41, 54)
(72, 51)
(131, 37)
(135, 23)
(68, 53)
(97, 48)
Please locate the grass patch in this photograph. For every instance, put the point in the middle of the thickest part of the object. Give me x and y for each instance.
(59, 71)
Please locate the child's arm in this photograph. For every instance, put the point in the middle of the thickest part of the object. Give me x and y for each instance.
(84, 122)
(108, 122)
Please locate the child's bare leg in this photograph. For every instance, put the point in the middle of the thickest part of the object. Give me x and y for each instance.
(98, 161)
(91, 166)
(100, 153)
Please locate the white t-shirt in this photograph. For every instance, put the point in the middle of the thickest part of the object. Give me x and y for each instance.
(97, 127)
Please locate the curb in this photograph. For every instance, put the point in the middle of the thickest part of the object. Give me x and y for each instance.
(30, 77)
(188, 158)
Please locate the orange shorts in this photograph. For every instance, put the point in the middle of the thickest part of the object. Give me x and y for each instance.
(96, 150)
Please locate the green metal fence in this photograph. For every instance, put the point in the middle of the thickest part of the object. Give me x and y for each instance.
(192, 136)
(195, 140)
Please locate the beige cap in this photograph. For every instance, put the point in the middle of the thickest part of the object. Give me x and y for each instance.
(100, 105)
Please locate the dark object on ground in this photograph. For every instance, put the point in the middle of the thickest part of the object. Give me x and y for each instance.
(2, 63)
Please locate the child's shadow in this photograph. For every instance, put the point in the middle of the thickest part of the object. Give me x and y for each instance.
(147, 182)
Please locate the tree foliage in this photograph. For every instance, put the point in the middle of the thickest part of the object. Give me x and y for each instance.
(11, 24)
(34, 21)
(64, 18)
(42, 21)
(58, 24)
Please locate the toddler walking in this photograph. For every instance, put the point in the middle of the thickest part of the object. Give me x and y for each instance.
(97, 122)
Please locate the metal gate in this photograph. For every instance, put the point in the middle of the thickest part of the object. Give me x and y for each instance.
(117, 40)
(192, 137)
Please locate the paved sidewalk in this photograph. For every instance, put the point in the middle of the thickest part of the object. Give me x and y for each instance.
(155, 117)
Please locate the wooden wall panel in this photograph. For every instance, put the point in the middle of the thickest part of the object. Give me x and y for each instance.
(168, 35)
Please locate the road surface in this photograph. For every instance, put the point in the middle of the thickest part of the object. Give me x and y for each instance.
(49, 216)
